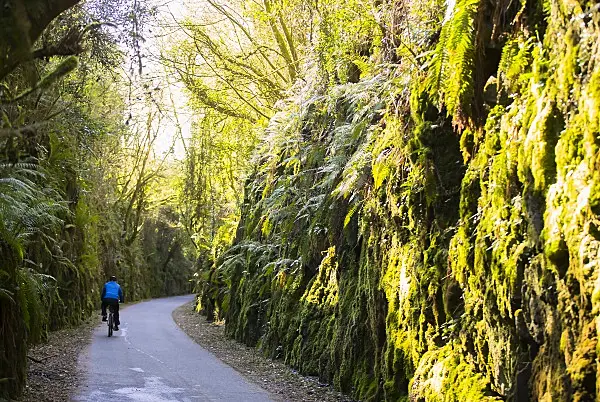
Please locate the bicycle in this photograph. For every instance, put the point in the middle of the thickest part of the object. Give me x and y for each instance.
(110, 320)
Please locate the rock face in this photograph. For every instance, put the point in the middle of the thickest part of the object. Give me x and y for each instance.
(433, 233)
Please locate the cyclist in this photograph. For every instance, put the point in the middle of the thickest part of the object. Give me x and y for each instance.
(111, 295)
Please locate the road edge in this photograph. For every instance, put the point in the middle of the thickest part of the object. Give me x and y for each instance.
(274, 376)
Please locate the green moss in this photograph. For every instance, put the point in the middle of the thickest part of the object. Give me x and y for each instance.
(444, 375)
(431, 265)
(467, 144)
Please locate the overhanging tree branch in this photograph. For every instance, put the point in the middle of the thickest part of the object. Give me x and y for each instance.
(21, 24)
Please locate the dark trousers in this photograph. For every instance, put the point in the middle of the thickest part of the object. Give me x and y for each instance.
(115, 305)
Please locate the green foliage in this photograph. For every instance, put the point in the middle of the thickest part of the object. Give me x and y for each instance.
(63, 150)
(210, 193)
(29, 215)
(167, 248)
(391, 256)
(348, 38)
(450, 76)
(65, 67)
(234, 68)
(419, 221)
(294, 251)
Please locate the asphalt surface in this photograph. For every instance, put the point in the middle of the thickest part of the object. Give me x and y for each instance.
(151, 360)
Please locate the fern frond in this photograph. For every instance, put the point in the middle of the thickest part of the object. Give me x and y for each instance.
(30, 293)
(6, 295)
(24, 167)
(18, 185)
(515, 63)
(450, 77)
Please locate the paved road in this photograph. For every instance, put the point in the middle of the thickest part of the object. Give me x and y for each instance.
(151, 360)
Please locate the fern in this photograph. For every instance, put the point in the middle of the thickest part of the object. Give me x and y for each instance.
(30, 215)
(33, 295)
(450, 79)
(514, 68)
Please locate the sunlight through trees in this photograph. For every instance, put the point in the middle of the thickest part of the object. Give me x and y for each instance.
(399, 197)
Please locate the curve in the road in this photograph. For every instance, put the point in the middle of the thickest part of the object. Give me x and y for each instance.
(151, 360)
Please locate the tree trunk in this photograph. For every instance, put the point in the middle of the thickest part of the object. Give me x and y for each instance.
(21, 24)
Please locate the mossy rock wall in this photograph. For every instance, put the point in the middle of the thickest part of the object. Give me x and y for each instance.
(402, 247)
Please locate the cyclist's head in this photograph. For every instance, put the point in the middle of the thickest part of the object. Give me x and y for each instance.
(113, 278)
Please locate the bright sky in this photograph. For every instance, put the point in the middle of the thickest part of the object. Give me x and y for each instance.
(175, 118)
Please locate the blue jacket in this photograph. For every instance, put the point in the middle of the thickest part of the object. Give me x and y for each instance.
(112, 290)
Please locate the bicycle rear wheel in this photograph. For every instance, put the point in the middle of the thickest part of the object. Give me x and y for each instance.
(110, 324)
